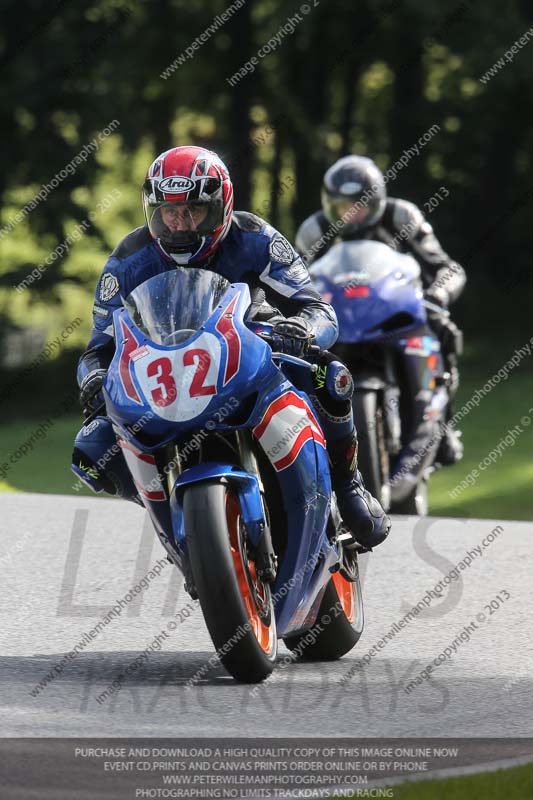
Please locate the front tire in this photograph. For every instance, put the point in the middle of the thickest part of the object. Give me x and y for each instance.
(338, 626)
(416, 503)
(372, 455)
(236, 604)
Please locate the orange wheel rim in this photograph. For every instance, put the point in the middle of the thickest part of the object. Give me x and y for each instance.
(346, 593)
(254, 592)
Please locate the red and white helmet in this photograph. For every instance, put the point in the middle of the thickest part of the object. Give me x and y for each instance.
(193, 177)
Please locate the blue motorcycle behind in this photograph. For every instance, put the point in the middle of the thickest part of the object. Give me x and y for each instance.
(395, 358)
(229, 459)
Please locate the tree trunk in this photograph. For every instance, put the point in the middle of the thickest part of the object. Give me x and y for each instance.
(353, 72)
(240, 96)
(276, 177)
(405, 120)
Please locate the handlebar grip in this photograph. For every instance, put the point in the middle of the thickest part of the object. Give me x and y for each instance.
(100, 410)
(267, 337)
(312, 350)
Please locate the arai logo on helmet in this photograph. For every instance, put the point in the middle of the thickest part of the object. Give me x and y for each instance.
(175, 184)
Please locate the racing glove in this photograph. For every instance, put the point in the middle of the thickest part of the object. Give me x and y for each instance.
(260, 310)
(293, 336)
(91, 395)
(450, 336)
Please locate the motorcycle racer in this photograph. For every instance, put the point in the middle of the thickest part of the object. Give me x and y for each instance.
(189, 221)
(355, 206)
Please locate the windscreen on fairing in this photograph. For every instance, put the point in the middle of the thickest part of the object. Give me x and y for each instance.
(364, 261)
(170, 307)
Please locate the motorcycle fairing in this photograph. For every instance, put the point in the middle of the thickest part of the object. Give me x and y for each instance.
(140, 429)
(368, 284)
(292, 439)
(283, 422)
(169, 384)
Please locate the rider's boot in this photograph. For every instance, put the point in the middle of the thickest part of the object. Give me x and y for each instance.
(451, 448)
(331, 394)
(360, 511)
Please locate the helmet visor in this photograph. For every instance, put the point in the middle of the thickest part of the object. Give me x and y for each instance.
(180, 224)
(355, 213)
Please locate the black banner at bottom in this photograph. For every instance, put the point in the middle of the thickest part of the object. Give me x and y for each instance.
(150, 769)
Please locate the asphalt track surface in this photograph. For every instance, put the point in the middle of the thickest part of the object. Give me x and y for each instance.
(66, 560)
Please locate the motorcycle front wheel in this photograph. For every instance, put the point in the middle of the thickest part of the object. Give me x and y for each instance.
(416, 501)
(373, 459)
(236, 604)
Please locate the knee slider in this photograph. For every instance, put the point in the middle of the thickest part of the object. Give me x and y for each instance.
(88, 472)
(339, 381)
(97, 462)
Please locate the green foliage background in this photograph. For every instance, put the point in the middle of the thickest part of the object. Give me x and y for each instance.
(364, 76)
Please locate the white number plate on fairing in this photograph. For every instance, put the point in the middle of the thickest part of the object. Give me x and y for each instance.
(179, 384)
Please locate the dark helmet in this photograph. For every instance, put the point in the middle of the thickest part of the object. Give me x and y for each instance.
(354, 192)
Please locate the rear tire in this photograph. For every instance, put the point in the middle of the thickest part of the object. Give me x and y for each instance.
(372, 455)
(236, 604)
(336, 637)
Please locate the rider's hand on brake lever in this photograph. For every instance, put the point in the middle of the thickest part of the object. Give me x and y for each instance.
(293, 336)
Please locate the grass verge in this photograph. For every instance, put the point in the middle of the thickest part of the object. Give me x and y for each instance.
(503, 490)
(515, 783)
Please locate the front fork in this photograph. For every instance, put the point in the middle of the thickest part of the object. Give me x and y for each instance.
(266, 562)
(263, 551)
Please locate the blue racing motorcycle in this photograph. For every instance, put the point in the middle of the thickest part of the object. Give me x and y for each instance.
(400, 380)
(229, 459)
